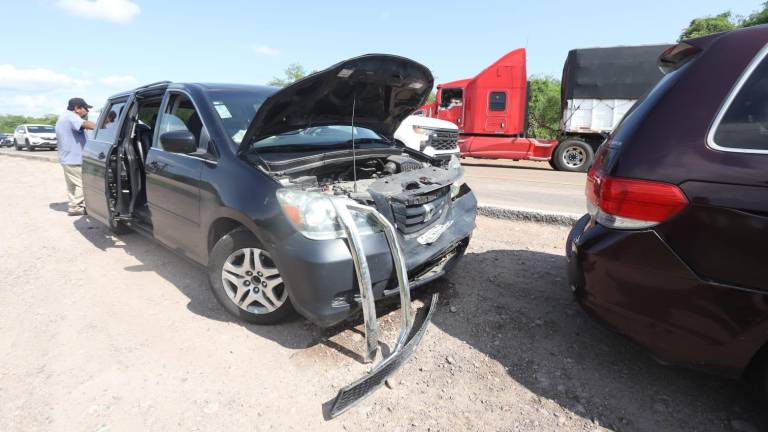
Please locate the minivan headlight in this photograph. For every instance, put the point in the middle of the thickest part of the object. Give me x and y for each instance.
(314, 216)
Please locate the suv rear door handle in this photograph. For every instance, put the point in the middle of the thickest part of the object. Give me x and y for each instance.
(153, 166)
(101, 156)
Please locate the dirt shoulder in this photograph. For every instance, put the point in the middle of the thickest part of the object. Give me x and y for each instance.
(112, 333)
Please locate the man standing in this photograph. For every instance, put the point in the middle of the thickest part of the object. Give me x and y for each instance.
(70, 134)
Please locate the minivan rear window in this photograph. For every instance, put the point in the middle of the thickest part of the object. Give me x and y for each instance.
(744, 125)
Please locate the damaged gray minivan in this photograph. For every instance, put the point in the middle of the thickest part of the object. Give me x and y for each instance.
(240, 179)
(294, 199)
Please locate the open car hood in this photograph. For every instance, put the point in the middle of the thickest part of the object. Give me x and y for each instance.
(384, 90)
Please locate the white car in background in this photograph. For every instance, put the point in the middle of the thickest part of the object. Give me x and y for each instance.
(34, 136)
(437, 138)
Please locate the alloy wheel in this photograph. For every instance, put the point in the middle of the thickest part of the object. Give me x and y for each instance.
(252, 281)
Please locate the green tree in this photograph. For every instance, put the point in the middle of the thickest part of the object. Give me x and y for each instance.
(292, 73)
(709, 24)
(432, 96)
(757, 17)
(9, 122)
(543, 107)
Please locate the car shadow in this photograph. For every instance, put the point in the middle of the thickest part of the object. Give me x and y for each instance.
(191, 279)
(59, 206)
(515, 306)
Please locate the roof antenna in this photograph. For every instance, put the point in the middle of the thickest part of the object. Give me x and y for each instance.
(354, 153)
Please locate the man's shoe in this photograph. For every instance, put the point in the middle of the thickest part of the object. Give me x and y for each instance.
(78, 212)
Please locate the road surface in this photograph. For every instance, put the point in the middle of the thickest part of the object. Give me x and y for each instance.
(521, 185)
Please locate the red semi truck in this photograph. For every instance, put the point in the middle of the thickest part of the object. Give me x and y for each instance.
(599, 86)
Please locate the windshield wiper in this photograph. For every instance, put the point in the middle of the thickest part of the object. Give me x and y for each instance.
(367, 141)
(297, 147)
(303, 147)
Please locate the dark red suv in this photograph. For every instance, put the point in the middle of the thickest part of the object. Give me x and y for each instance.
(674, 251)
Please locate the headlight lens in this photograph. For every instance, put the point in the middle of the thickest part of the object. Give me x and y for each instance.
(314, 216)
(425, 133)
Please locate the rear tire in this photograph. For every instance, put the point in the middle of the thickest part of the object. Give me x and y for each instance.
(245, 280)
(573, 155)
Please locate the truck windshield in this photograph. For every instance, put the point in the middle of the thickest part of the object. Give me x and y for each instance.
(452, 97)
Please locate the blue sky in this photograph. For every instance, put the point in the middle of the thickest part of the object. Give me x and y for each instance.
(56, 49)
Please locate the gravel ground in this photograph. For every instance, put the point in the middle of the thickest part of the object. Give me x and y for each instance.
(104, 333)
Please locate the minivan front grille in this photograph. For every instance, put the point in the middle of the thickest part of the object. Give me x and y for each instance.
(420, 211)
(444, 140)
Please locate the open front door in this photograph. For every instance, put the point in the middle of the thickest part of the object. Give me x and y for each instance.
(173, 179)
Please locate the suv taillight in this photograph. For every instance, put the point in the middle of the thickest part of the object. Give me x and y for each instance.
(631, 204)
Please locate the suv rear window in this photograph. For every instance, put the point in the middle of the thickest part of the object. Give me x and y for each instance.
(744, 125)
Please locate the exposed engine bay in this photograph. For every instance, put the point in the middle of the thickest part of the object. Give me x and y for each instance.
(388, 175)
(410, 192)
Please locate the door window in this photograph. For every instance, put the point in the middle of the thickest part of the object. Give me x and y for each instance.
(497, 101)
(180, 114)
(109, 121)
(451, 97)
(744, 125)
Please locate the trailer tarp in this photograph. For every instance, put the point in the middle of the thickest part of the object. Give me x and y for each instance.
(625, 72)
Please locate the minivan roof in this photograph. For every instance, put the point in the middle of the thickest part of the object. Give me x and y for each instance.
(205, 87)
(703, 42)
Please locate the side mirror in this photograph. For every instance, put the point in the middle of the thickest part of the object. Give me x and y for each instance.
(179, 141)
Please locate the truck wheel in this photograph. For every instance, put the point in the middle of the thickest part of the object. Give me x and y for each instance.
(29, 146)
(16, 145)
(573, 155)
(246, 281)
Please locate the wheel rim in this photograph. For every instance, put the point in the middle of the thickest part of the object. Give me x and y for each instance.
(574, 156)
(252, 281)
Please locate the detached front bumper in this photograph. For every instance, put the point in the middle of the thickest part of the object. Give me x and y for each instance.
(320, 274)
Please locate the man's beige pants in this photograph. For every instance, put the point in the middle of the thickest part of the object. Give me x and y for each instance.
(74, 178)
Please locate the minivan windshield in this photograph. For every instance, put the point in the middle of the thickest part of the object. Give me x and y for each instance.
(319, 136)
(40, 129)
(236, 108)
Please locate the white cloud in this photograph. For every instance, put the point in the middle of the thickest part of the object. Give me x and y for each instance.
(121, 82)
(117, 11)
(39, 91)
(35, 80)
(40, 104)
(266, 50)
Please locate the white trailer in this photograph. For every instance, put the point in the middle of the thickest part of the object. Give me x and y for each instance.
(599, 87)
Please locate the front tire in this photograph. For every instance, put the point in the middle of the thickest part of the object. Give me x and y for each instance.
(245, 280)
(16, 145)
(29, 146)
(573, 155)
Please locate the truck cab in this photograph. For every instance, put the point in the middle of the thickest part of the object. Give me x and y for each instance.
(599, 86)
